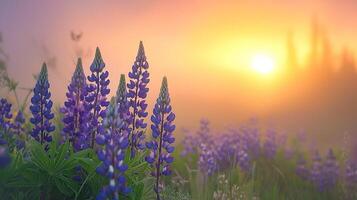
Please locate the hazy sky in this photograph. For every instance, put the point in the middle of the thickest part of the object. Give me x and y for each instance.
(203, 47)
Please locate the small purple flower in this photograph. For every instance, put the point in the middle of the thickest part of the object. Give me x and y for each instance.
(96, 101)
(162, 139)
(351, 174)
(5, 121)
(75, 115)
(316, 172)
(113, 139)
(330, 171)
(301, 169)
(41, 106)
(270, 146)
(243, 160)
(18, 129)
(5, 158)
(203, 133)
(189, 143)
(207, 161)
(137, 93)
(250, 140)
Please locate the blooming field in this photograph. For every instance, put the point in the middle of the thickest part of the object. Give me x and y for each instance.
(94, 147)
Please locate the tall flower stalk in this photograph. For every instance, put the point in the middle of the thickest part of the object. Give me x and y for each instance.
(41, 106)
(113, 139)
(139, 78)
(75, 115)
(162, 139)
(96, 100)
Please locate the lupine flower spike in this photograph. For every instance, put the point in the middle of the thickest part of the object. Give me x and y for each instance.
(113, 138)
(316, 172)
(96, 100)
(139, 78)
(74, 119)
(330, 170)
(41, 106)
(162, 139)
(5, 121)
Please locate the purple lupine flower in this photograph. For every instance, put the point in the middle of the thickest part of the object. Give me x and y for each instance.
(227, 149)
(250, 140)
(243, 160)
(316, 173)
(139, 78)
(270, 146)
(5, 158)
(41, 106)
(330, 171)
(96, 100)
(5, 114)
(162, 139)
(5, 121)
(18, 129)
(351, 173)
(207, 162)
(189, 143)
(203, 133)
(301, 169)
(113, 139)
(18, 123)
(75, 115)
(123, 104)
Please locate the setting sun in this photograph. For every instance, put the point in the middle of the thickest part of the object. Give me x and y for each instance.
(262, 63)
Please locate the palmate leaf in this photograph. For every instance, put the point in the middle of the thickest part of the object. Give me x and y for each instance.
(52, 169)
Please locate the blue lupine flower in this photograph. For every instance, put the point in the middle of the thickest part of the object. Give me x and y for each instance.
(301, 169)
(207, 161)
(270, 146)
(227, 148)
(243, 160)
(41, 105)
(189, 143)
(75, 115)
(139, 78)
(316, 172)
(96, 100)
(18, 129)
(113, 139)
(5, 158)
(204, 132)
(330, 171)
(351, 174)
(162, 139)
(251, 140)
(5, 121)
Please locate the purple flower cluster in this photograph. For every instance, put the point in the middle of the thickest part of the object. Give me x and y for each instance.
(221, 151)
(5, 125)
(5, 158)
(323, 173)
(301, 169)
(96, 101)
(113, 139)
(270, 146)
(351, 174)
(75, 115)
(5, 114)
(41, 106)
(316, 171)
(160, 147)
(330, 171)
(10, 129)
(137, 93)
(207, 161)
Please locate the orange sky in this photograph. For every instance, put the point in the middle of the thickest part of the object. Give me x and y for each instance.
(203, 47)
